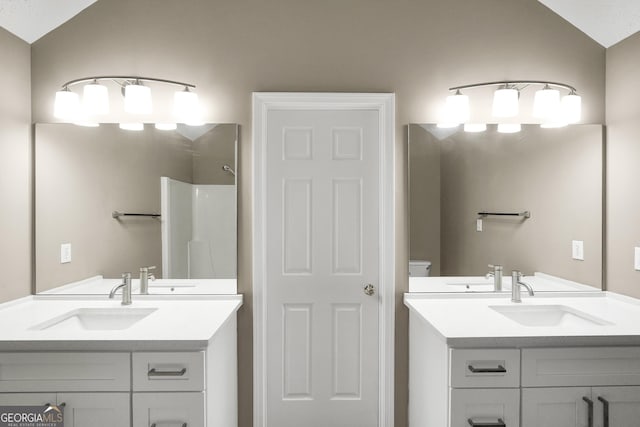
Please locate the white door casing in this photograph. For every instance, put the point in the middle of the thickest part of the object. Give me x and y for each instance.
(323, 229)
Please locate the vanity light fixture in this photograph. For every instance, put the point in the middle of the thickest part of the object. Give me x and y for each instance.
(552, 109)
(137, 99)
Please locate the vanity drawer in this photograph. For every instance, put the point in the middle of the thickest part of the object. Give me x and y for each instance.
(583, 366)
(41, 372)
(484, 368)
(168, 371)
(170, 409)
(484, 406)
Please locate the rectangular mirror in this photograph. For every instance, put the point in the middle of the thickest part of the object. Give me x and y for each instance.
(109, 201)
(461, 184)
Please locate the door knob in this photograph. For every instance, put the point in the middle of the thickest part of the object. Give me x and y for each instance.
(369, 289)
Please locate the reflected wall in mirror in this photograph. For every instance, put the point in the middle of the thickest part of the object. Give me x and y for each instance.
(83, 175)
(556, 174)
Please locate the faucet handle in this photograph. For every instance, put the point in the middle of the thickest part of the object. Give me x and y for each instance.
(145, 269)
(495, 267)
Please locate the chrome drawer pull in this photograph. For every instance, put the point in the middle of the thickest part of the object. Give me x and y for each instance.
(590, 411)
(154, 425)
(499, 370)
(605, 411)
(497, 423)
(154, 373)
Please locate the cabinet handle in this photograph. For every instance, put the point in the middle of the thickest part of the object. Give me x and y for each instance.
(154, 373)
(63, 404)
(497, 423)
(605, 411)
(499, 370)
(589, 411)
(154, 425)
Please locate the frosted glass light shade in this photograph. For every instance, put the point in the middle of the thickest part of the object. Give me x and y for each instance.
(571, 108)
(186, 107)
(137, 99)
(546, 104)
(509, 127)
(166, 126)
(475, 127)
(95, 99)
(67, 105)
(131, 126)
(505, 103)
(457, 108)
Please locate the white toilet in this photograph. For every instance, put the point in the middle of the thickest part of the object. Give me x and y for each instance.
(418, 268)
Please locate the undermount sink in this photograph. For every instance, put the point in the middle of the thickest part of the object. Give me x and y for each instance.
(548, 315)
(96, 319)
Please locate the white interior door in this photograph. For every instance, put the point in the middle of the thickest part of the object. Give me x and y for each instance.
(323, 229)
(322, 250)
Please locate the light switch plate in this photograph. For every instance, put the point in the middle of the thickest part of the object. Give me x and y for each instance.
(577, 250)
(65, 253)
(636, 258)
(478, 225)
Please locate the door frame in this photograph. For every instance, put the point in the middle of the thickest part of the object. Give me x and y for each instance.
(384, 104)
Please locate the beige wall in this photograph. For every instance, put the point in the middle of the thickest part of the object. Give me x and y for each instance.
(623, 165)
(415, 48)
(556, 174)
(15, 167)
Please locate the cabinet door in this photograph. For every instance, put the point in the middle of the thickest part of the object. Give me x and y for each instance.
(169, 409)
(485, 405)
(95, 409)
(555, 407)
(623, 404)
(27, 399)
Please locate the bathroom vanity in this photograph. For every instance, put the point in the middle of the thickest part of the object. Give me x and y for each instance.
(553, 360)
(158, 362)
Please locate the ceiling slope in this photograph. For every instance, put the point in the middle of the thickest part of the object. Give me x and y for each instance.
(605, 21)
(32, 19)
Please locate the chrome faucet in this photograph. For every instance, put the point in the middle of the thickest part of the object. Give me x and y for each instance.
(497, 277)
(144, 279)
(516, 282)
(126, 289)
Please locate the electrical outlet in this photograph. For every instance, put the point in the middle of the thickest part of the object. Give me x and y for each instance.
(636, 258)
(478, 225)
(65, 253)
(577, 250)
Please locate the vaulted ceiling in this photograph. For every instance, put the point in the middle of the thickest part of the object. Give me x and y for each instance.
(605, 21)
(32, 19)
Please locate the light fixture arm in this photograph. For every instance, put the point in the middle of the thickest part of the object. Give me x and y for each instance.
(509, 83)
(126, 78)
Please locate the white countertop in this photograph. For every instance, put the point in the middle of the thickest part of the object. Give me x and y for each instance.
(540, 282)
(98, 285)
(177, 324)
(464, 320)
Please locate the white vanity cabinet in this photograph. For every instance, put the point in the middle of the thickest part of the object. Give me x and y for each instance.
(520, 386)
(196, 388)
(570, 386)
(93, 387)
